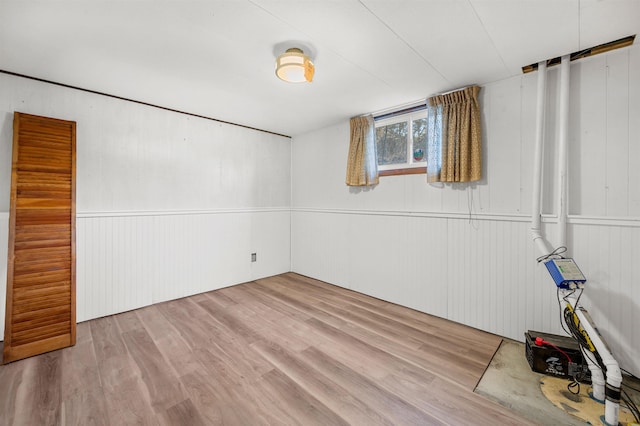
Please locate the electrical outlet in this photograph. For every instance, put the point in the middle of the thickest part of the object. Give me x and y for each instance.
(254, 257)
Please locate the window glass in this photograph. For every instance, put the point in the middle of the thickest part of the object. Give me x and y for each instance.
(391, 143)
(401, 142)
(419, 128)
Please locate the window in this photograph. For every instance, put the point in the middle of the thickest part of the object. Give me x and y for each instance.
(401, 143)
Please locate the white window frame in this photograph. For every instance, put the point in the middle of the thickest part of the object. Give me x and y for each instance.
(409, 118)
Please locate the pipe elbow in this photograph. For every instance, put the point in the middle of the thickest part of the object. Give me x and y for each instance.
(540, 242)
(614, 374)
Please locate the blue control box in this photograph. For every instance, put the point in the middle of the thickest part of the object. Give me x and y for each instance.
(565, 273)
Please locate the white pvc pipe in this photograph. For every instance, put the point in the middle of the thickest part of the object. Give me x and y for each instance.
(613, 373)
(563, 151)
(536, 209)
(597, 380)
(603, 390)
(612, 369)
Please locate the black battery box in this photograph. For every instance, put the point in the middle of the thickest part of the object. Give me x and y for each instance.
(559, 357)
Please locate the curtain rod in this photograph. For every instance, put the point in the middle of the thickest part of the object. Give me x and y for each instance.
(451, 91)
(396, 108)
(419, 107)
(409, 106)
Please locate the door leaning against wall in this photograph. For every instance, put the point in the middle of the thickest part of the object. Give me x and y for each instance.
(41, 307)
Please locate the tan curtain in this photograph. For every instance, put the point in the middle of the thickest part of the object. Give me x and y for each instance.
(362, 164)
(454, 138)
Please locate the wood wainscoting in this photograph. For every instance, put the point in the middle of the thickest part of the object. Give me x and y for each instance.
(41, 311)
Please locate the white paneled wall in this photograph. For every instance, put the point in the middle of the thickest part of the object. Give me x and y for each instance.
(464, 252)
(445, 266)
(168, 204)
(171, 205)
(609, 258)
(481, 272)
(130, 260)
(363, 251)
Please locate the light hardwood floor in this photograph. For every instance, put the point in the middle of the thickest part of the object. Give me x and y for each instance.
(281, 350)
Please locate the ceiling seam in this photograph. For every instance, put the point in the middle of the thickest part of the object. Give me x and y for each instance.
(404, 41)
(475, 12)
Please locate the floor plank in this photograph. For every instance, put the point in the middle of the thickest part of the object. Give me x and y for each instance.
(182, 414)
(334, 396)
(11, 379)
(41, 392)
(281, 350)
(85, 408)
(162, 386)
(369, 391)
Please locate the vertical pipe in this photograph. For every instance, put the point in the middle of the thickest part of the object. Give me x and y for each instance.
(611, 368)
(563, 151)
(536, 210)
(613, 376)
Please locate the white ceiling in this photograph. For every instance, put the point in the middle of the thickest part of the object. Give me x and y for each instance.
(216, 58)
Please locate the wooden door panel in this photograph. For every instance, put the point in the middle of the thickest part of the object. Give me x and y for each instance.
(43, 217)
(41, 279)
(40, 313)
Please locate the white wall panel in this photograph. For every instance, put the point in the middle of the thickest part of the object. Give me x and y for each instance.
(609, 259)
(270, 239)
(321, 245)
(588, 144)
(481, 272)
(111, 275)
(132, 157)
(528, 93)
(491, 281)
(634, 131)
(127, 261)
(168, 204)
(617, 139)
(362, 251)
(417, 195)
(464, 252)
(502, 146)
(373, 258)
(424, 287)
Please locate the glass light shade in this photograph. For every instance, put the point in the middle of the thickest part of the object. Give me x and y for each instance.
(294, 66)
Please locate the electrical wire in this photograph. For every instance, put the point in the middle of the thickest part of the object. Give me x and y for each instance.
(541, 342)
(631, 405)
(571, 325)
(577, 334)
(630, 374)
(557, 253)
(574, 387)
(575, 305)
(586, 354)
(573, 329)
(633, 376)
(560, 309)
(631, 387)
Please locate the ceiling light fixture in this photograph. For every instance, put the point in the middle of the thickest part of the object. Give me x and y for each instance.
(294, 66)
